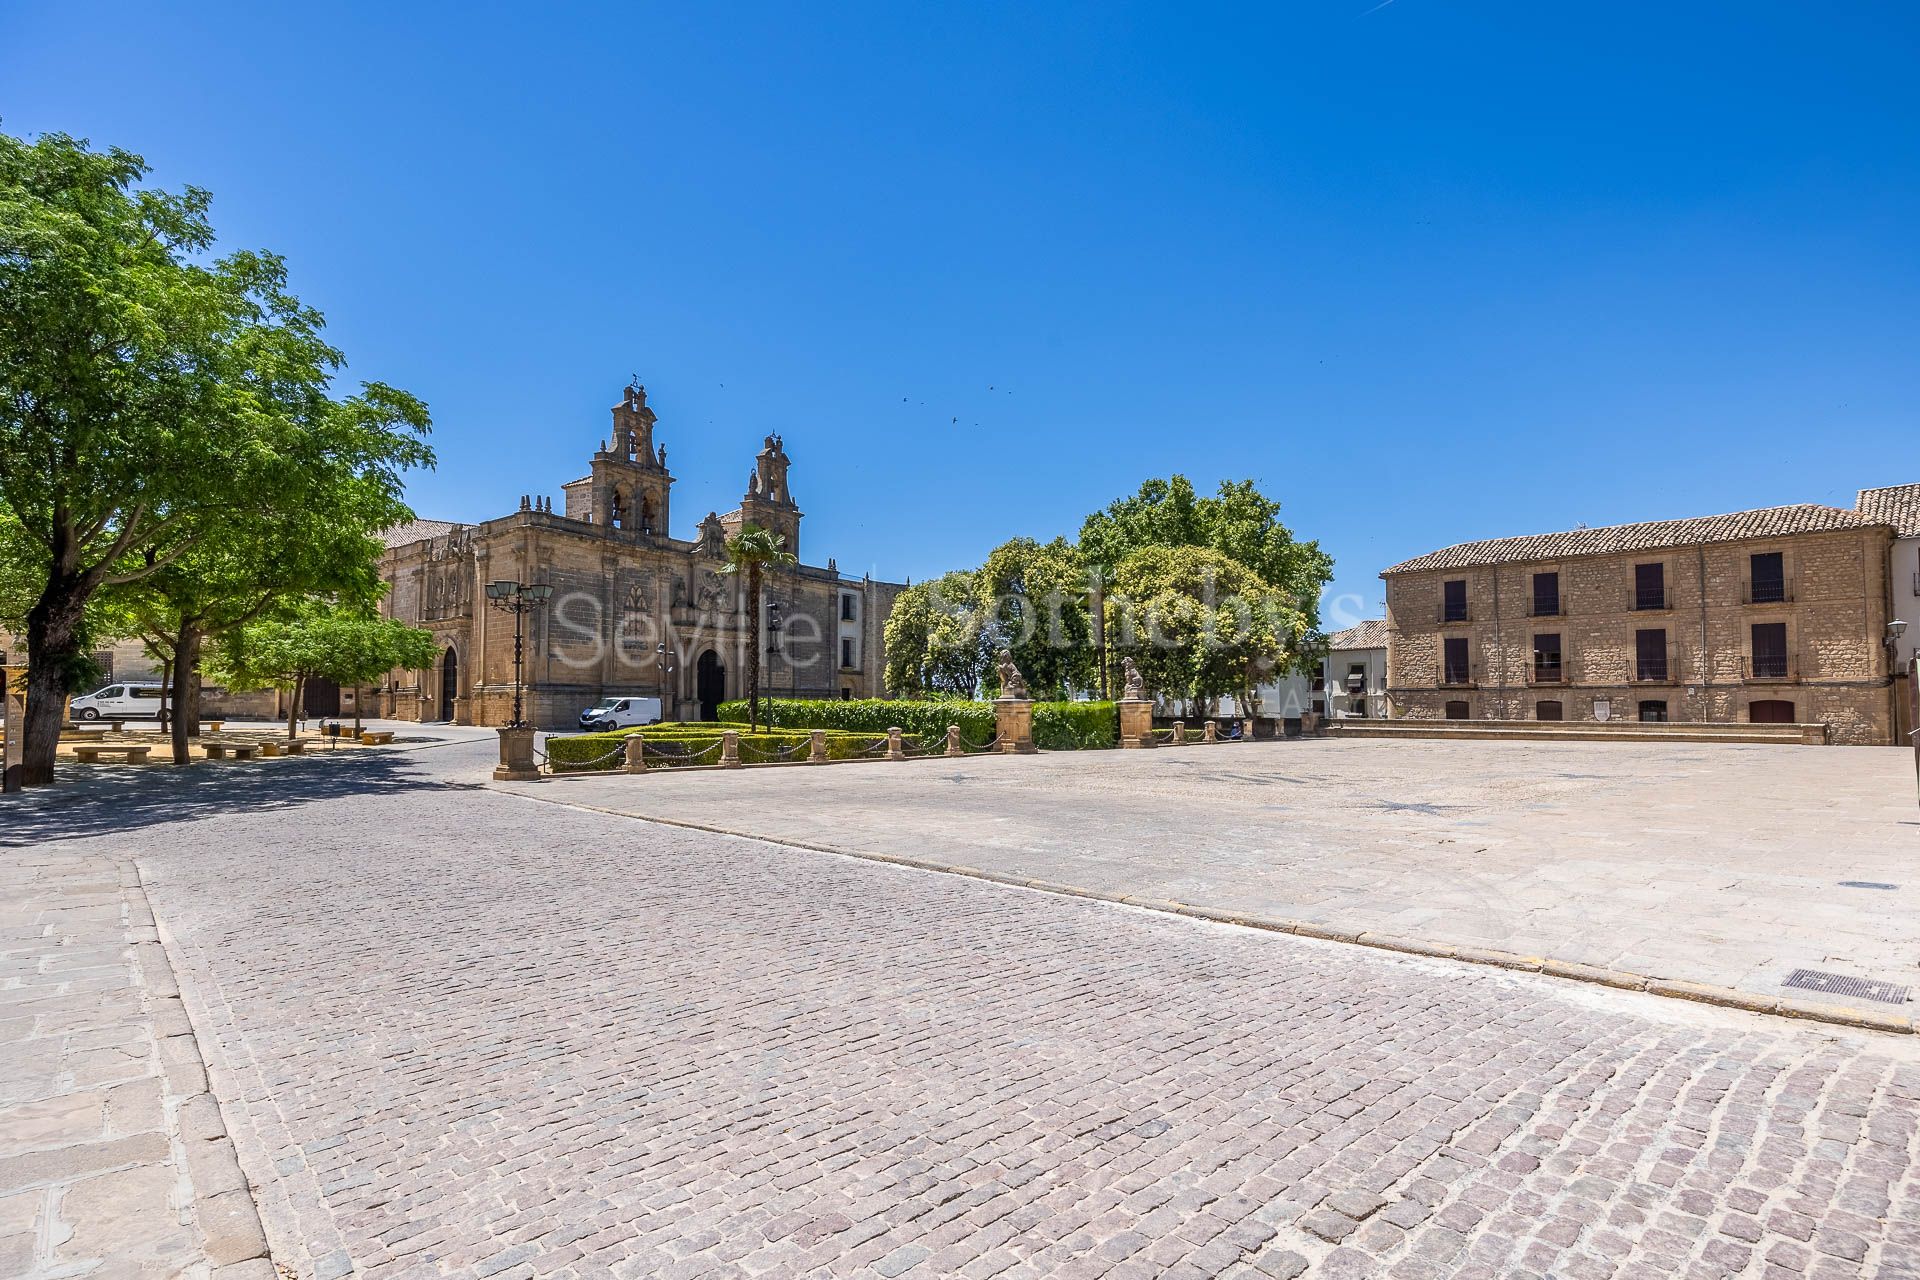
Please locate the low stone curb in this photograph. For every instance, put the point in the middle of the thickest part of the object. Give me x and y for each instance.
(232, 1236)
(1619, 979)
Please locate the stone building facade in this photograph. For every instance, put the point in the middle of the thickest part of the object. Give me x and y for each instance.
(1776, 615)
(1898, 506)
(634, 610)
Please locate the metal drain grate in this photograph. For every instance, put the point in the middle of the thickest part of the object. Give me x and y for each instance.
(1866, 884)
(1840, 984)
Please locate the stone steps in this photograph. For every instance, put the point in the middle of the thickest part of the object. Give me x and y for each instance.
(1563, 731)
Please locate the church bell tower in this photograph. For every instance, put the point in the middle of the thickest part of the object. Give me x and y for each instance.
(768, 503)
(630, 478)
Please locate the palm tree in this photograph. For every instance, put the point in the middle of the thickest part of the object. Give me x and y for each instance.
(752, 552)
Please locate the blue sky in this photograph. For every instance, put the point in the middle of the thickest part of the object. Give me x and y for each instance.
(1428, 271)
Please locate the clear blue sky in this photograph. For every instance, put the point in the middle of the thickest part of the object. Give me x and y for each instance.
(1427, 270)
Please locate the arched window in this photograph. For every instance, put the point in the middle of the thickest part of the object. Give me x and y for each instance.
(617, 510)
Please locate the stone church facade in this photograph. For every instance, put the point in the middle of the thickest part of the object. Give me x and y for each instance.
(634, 610)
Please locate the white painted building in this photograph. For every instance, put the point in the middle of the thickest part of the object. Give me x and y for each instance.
(1350, 682)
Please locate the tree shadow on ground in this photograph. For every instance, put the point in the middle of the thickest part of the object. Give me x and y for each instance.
(118, 800)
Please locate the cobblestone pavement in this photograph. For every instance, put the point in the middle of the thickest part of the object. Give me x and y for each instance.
(112, 1160)
(1726, 864)
(458, 1033)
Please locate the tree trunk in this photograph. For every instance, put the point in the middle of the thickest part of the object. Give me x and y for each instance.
(293, 706)
(753, 648)
(166, 698)
(185, 691)
(53, 645)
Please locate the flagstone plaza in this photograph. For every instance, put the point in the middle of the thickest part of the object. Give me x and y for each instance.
(466, 1030)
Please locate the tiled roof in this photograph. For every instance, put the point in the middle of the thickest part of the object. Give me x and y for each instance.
(1897, 505)
(1739, 526)
(417, 531)
(1371, 634)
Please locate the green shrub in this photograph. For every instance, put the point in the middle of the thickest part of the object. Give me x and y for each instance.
(1057, 726)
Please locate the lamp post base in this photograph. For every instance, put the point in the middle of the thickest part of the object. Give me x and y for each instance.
(516, 757)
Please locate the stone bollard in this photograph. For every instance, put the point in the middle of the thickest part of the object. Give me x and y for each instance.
(1013, 720)
(817, 747)
(1136, 722)
(896, 750)
(1210, 731)
(1246, 729)
(636, 754)
(953, 741)
(730, 749)
(1179, 733)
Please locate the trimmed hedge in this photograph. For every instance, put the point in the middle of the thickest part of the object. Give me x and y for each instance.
(696, 744)
(1057, 726)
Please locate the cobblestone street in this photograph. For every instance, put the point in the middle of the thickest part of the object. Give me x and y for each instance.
(458, 1032)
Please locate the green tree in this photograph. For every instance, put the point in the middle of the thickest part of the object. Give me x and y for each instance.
(1239, 522)
(347, 646)
(1038, 593)
(1199, 624)
(750, 553)
(148, 391)
(939, 638)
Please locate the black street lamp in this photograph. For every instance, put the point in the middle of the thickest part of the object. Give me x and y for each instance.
(519, 599)
(669, 693)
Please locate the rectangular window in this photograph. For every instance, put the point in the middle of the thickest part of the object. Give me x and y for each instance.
(1546, 595)
(846, 651)
(1650, 586)
(1454, 667)
(1768, 573)
(846, 695)
(1454, 601)
(1546, 658)
(1318, 683)
(846, 608)
(1650, 654)
(1356, 677)
(1653, 712)
(1770, 651)
(1549, 710)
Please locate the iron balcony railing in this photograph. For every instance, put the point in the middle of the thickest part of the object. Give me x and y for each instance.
(1654, 669)
(1547, 608)
(1459, 675)
(1455, 613)
(1548, 673)
(1766, 593)
(1651, 598)
(1773, 667)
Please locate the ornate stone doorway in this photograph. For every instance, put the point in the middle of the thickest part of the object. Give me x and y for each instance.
(709, 685)
(449, 683)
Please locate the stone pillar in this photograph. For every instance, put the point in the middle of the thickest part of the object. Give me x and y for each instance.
(896, 750)
(1013, 718)
(730, 749)
(1246, 729)
(516, 757)
(636, 754)
(953, 741)
(1210, 731)
(1136, 722)
(1179, 733)
(817, 747)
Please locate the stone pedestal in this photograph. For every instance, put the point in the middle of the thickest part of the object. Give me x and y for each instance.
(896, 749)
(1136, 722)
(817, 747)
(953, 741)
(1013, 723)
(636, 754)
(730, 749)
(516, 757)
(1211, 731)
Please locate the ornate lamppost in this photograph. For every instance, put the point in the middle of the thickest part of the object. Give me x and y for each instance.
(669, 689)
(519, 599)
(775, 625)
(516, 739)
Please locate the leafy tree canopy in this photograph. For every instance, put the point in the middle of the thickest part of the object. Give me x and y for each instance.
(939, 637)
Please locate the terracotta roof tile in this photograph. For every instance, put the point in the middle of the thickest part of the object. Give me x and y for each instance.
(418, 531)
(1738, 526)
(1897, 505)
(1371, 634)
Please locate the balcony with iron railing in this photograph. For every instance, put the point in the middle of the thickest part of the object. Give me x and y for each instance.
(1654, 669)
(1766, 593)
(1770, 668)
(1454, 613)
(1539, 608)
(1459, 675)
(1649, 599)
(1540, 672)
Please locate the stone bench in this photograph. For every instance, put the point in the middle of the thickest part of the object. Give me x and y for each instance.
(212, 726)
(238, 750)
(372, 738)
(92, 754)
(272, 747)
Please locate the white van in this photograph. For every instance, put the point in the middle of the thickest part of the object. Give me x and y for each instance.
(620, 713)
(119, 702)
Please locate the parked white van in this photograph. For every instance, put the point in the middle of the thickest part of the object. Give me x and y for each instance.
(620, 713)
(119, 702)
